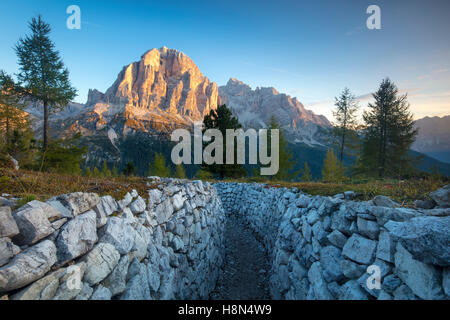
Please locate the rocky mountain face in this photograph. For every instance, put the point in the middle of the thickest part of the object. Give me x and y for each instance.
(165, 90)
(434, 137)
(254, 108)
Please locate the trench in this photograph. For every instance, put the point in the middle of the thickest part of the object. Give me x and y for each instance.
(245, 272)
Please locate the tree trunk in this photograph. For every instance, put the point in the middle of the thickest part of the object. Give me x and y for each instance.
(7, 127)
(45, 126)
(341, 156)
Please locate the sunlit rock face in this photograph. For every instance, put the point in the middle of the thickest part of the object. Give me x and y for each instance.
(254, 108)
(165, 82)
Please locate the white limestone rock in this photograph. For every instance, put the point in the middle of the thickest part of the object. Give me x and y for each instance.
(33, 225)
(360, 249)
(28, 266)
(8, 226)
(423, 280)
(77, 237)
(119, 233)
(426, 238)
(100, 261)
(7, 250)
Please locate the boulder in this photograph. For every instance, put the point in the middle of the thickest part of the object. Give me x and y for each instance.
(78, 202)
(360, 249)
(351, 290)
(351, 269)
(368, 228)
(317, 282)
(337, 239)
(116, 281)
(426, 238)
(390, 283)
(101, 293)
(383, 201)
(57, 205)
(7, 250)
(70, 282)
(163, 211)
(125, 202)
(100, 261)
(119, 233)
(33, 225)
(154, 198)
(85, 293)
(424, 204)
(106, 207)
(28, 266)
(42, 289)
(138, 206)
(50, 212)
(330, 260)
(386, 247)
(442, 196)
(77, 237)
(424, 280)
(137, 287)
(8, 226)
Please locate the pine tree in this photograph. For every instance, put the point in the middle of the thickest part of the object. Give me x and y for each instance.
(180, 173)
(88, 172)
(42, 71)
(285, 155)
(105, 170)
(63, 156)
(306, 175)
(203, 174)
(115, 171)
(345, 125)
(96, 173)
(222, 119)
(332, 170)
(389, 133)
(158, 167)
(129, 169)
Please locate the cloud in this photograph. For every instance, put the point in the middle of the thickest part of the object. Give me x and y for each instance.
(354, 31)
(434, 72)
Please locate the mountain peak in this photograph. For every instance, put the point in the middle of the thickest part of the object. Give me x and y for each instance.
(165, 81)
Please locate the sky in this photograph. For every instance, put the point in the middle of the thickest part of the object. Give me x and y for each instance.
(307, 49)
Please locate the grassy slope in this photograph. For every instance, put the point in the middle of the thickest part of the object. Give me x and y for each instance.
(46, 185)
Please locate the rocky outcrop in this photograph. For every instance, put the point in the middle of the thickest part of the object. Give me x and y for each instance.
(82, 246)
(254, 109)
(326, 247)
(164, 81)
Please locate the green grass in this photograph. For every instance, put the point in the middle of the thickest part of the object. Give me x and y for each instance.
(42, 185)
(32, 185)
(402, 191)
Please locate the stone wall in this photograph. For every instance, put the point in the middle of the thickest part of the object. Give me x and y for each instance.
(166, 244)
(321, 247)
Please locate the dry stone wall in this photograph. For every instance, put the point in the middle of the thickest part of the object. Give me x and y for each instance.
(323, 247)
(166, 244)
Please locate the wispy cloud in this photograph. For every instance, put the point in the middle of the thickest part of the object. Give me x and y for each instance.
(354, 31)
(432, 73)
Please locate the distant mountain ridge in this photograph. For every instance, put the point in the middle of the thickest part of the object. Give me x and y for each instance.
(433, 138)
(254, 108)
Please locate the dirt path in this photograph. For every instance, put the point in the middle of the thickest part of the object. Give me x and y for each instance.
(246, 268)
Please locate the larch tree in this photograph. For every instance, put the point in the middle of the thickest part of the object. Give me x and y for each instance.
(345, 121)
(389, 133)
(42, 73)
